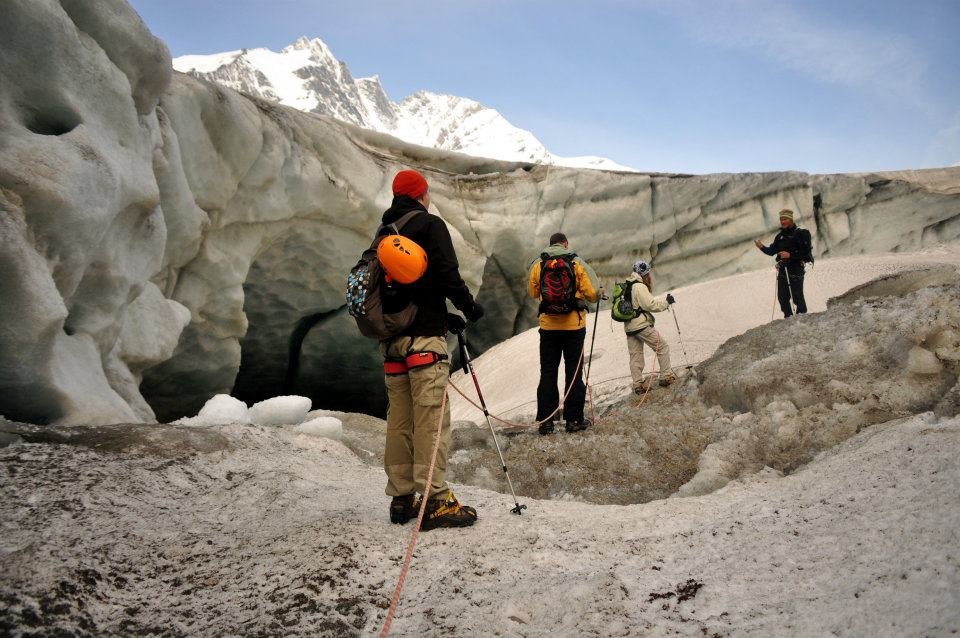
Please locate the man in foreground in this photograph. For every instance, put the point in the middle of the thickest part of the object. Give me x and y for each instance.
(417, 366)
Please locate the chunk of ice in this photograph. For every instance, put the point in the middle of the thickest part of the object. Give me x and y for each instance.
(220, 410)
(287, 410)
(326, 427)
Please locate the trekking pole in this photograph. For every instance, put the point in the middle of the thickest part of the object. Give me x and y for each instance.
(467, 366)
(786, 271)
(680, 336)
(586, 380)
(776, 290)
(593, 339)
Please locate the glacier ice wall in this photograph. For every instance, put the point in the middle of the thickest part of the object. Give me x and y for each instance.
(81, 226)
(162, 236)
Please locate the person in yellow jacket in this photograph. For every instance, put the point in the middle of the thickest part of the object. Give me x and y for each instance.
(640, 330)
(563, 283)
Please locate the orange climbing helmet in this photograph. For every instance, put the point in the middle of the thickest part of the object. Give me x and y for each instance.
(402, 258)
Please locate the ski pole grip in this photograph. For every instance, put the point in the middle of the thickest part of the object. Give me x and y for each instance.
(462, 346)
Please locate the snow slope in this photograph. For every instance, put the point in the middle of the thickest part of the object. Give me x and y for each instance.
(307, 76)
(252, 529)
(708, 314)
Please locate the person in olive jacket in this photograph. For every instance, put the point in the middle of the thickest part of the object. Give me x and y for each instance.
(791, 248)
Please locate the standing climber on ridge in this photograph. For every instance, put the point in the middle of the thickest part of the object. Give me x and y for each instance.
(791, 247)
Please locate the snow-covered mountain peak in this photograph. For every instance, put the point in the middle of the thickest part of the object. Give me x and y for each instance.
(303, 42)
(306, 75)
(315, 48)
(198, 64)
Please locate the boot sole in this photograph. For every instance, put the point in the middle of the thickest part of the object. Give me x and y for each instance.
(465, 521)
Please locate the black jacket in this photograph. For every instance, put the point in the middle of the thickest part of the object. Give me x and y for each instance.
(794, 240)
(442, 279)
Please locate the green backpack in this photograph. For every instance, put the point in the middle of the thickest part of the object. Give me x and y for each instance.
(622, 308)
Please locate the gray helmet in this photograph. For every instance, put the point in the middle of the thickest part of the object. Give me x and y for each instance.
(641, 267)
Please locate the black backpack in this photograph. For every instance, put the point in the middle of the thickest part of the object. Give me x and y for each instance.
(806, 245)
(366, 289)
(558, 284)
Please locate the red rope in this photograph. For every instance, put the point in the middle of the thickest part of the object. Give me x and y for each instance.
(416, 528)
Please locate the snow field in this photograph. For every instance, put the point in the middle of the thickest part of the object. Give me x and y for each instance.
(265, 533)
(773, 397)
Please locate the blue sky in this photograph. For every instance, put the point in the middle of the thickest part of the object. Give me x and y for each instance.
(684, 86)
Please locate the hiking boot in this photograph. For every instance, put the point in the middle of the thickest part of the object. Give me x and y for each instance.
(446, 511)
(577, 426)
(402, 509)
(644, 386)
(546, 427)
(669, 379)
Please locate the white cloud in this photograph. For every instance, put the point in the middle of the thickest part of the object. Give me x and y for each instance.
(851, 56)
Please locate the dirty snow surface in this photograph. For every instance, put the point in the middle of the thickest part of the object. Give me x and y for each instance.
(807, 487)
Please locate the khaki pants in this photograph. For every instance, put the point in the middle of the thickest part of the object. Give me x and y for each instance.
(412, 417)
(635, 342)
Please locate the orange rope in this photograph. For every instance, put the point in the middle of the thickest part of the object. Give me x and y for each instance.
(416, 528)
(504, 421)
(526, 425)
(653, 367)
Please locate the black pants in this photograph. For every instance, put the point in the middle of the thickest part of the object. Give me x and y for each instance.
(790, 284)
(569, 345)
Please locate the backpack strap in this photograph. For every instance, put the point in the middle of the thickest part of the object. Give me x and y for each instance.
(544, 256)
(400, 223)
(394, 226)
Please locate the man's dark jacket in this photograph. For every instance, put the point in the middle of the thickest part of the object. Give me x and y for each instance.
(442, 279)
(794, 240)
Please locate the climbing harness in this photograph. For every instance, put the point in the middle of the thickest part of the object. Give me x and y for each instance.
(402, 365)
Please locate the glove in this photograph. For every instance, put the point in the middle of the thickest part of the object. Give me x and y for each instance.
(670, 299)
(475, 313)
(455, 323)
